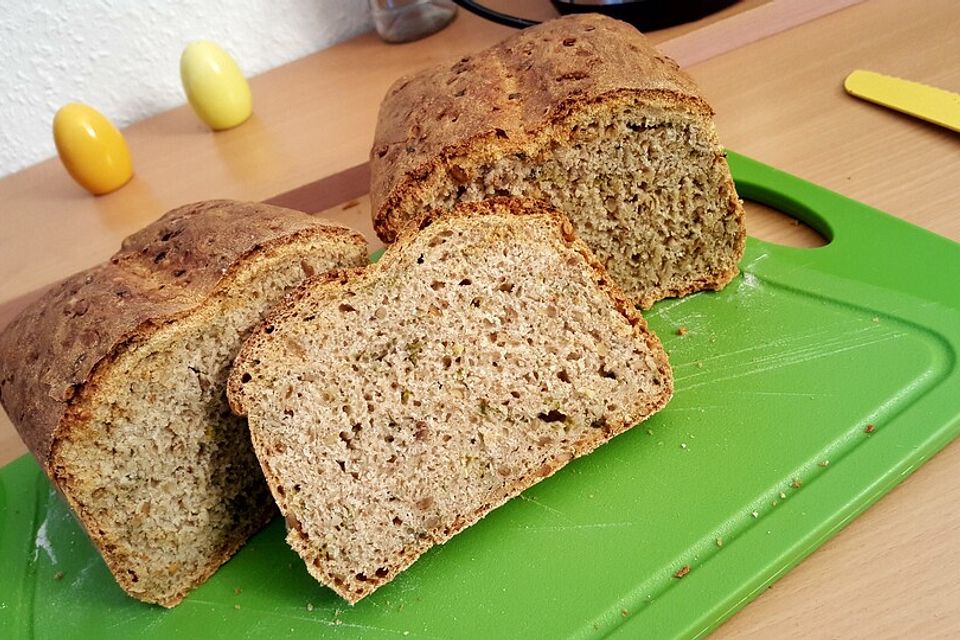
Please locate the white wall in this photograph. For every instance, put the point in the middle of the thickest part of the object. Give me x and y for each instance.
(122, 57)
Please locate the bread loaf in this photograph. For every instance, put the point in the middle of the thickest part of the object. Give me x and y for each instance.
(115, 380)
(394, 405)
(584, 113)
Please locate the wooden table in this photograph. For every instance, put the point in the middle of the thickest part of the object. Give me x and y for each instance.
(895, 571)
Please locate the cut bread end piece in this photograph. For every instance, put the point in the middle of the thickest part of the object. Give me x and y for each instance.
(159, 471)
(392, 406)
(582, 112)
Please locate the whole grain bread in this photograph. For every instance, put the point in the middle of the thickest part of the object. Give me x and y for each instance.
(584, 113)
(394, 405)
(115, 381)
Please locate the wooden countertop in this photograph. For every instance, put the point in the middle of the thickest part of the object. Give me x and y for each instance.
(895, 571)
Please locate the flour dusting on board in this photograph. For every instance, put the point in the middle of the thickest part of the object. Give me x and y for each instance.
(43, 542)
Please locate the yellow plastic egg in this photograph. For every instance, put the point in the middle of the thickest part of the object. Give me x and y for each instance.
(91, 149)
(215, 87)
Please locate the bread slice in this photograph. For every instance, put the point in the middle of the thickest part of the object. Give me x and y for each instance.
(115, 380)
(392, 406)
(584, 113)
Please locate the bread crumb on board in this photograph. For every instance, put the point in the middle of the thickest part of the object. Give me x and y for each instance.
(684, 570)
(870, 428)
(719, 541)
(824, 463)
(682, 331)
(797, 483)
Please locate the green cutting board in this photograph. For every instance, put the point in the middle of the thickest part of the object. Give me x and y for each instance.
(760, 457)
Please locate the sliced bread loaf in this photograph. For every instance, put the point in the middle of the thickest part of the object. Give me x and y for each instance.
(584, 113)
(115, 380)
(392, 406)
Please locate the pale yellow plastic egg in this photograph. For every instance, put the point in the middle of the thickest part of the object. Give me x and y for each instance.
(215, 86)
(91, 149)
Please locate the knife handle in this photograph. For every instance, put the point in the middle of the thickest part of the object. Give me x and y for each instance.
(938, 106)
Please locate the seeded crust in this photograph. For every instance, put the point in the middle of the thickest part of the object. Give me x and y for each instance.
(117, 360)
(394, 405)
(584, 113)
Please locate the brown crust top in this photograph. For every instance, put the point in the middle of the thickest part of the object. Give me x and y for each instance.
(505, 94)
(49, 353)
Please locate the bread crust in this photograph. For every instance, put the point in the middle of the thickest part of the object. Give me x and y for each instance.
(54, 353)
(507, 98)
(336, 285)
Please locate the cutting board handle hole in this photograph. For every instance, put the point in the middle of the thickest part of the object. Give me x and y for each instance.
(776, 227)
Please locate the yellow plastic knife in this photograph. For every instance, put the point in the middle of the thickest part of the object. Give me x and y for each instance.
(938, 106)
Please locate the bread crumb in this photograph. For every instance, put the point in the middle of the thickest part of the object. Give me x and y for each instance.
(783, 496)
(681, 331)
(309, 606)
(649, 432)
(870, 428)
(58, 575)
(624, 613)
(755, 514)
(699, 364)
(238, 591)
(824, 463)
(774, 503)
(237, 606)
(683, 445)
(719, 541)
(684, 570)
(797, 483)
